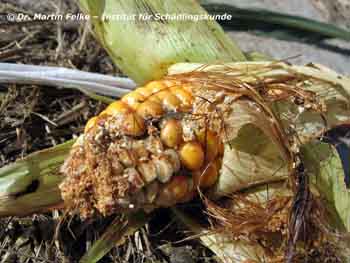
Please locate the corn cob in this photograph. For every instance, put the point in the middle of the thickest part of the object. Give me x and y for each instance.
(152, 148)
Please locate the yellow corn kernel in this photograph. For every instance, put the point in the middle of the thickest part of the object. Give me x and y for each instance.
(91, 123)
(188, 88)
(116, 107)
(171, 133)
(133, 124)
(210, 143)
(192, 155)
(185, 97)
(169, 101)
(144, 92)
(149, 109)
(133, 99)
(153, 87)
(170, 83)
(207, 176)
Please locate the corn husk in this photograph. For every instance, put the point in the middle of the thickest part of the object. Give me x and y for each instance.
(121, 227)
(325, 96)
(30, 185)
(327, 173)
(144, 48)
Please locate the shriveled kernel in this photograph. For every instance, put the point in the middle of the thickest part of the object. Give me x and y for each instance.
(132, 124)
(91, 123)
(164, 169)
(192, 155)
(210, 143)
(174, 190)
(148, 171)
(133, 99)
(207, 176)
(173, 158)
(171, 133)
(117, 107)
(126, 157)
(134, 178)
(149, 109)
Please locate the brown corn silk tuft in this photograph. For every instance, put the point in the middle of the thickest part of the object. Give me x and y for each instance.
(147, 151)
(265, 223)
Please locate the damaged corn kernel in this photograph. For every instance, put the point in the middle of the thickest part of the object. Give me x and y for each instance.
(150, 149)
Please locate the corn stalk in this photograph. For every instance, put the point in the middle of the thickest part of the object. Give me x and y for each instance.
(30, 185)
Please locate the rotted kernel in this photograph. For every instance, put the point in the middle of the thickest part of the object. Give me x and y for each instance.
(171, 133)
(133, 124)
(148, 171)
(152, 191)
(210, 143)
(192, 155)
(139, 148)
(126, 157)
(133, 99)
(173, 191)
(173, 158)
(207, 176)
(164, 169)
(134, 178)
(91, 123)
(150, 109)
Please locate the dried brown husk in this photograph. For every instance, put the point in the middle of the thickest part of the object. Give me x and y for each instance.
(253, 225)
(293, 106)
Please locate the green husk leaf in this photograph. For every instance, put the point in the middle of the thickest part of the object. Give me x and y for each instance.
(30, 185)
(114, 235)
(323, 163)
(144, 49)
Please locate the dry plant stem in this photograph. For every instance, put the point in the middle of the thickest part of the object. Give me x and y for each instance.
(64, 77)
